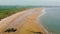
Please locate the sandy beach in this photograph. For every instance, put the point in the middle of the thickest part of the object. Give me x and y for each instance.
(25, 22)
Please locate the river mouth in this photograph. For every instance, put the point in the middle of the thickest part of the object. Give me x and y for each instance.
(51, 20)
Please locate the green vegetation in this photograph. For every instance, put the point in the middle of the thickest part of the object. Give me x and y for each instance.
(9, 10)
(10, 30)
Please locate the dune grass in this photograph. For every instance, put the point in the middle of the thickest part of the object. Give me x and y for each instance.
(7, 11)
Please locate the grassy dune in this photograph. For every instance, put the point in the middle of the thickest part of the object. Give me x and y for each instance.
(9, 10)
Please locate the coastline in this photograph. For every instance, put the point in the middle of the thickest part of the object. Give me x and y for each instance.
(30, 22)
(43, 13)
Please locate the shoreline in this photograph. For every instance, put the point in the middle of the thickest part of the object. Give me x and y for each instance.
(43, 13)
(28, 18)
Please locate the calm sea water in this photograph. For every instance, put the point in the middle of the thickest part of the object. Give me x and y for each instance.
(51, 20)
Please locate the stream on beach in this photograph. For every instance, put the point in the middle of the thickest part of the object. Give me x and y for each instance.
(51, 20)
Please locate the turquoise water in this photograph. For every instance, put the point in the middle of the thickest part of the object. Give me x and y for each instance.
(51, 20)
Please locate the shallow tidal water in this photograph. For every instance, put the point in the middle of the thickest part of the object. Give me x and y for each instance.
(51, 20)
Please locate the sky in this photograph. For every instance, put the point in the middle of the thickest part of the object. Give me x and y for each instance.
(31, 2)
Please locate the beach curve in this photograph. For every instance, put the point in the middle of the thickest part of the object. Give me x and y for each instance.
(32, 14)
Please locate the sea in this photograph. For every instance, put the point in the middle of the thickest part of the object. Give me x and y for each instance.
(51, 20)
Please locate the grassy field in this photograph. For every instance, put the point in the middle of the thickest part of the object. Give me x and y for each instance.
(9, 10)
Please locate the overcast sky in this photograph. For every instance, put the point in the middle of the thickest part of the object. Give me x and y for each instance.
(30, 2)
